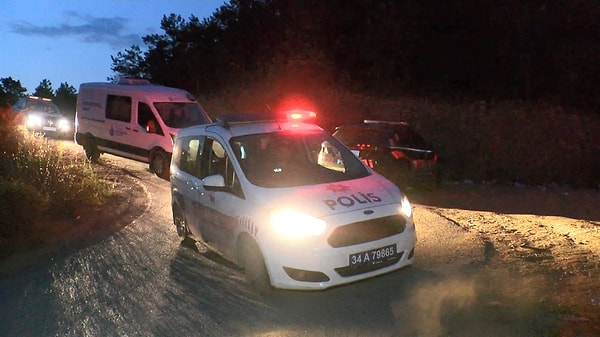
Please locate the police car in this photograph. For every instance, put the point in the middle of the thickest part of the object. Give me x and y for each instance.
(287, 203)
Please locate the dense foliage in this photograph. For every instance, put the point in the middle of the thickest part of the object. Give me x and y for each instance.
(487, 49)
(41, 186)
(505, 90)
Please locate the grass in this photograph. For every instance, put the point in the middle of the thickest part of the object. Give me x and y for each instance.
(41, 187)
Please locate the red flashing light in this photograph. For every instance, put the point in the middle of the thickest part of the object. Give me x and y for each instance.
(300, 115)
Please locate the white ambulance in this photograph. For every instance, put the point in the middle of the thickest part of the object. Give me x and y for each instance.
(288, 203)
(134, 119)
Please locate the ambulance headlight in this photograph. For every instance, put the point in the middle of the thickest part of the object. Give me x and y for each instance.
(289, 223)
(406, 207)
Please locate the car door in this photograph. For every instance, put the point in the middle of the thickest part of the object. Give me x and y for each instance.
(217, 208)
(118, 117)
(145, 130)
(186, 179)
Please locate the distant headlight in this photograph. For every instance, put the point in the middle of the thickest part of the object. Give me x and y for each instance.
(34, 121)
(64, 124)
(294, 224)
(406, 207)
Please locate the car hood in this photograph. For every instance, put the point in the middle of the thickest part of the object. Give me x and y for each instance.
(333, 198)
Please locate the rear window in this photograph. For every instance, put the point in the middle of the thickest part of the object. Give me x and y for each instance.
(397, 137)
(354, 136)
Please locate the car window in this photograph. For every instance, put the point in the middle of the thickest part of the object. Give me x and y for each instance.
(186, 155)
(118, 108)
(361, 136)
(181, 114)
(147, 120)
(295, 159)
(406, 136)
(36, 105)
(215, 160)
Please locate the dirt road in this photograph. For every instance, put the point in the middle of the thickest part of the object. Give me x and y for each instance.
(549, 235)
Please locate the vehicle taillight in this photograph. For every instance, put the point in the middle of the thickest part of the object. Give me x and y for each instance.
(397, 154)
(369, 162)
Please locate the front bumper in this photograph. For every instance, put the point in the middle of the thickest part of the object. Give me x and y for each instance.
(304, 266)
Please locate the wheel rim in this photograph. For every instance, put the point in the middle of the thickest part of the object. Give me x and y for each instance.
(180, 223)
(158, 163)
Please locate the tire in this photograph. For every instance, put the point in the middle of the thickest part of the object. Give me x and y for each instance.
(91, 149)
(255, 270)
(401, 175)
(159, 164)
(180, 222)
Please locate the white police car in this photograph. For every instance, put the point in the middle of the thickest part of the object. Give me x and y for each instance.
(288, 203)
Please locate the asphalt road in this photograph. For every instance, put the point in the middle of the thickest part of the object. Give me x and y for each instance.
(142, 281)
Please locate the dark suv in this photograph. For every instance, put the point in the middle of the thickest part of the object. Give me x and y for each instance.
(393, 149)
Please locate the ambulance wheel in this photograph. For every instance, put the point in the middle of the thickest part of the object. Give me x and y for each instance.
(159, 164)
(91, 150)
(253, 263)
(180, 222)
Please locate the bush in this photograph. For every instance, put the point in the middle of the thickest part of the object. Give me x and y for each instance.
(40, 183)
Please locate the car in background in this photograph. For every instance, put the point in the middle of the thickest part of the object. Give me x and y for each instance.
(41, 115)
(287, 203)
(393, 149)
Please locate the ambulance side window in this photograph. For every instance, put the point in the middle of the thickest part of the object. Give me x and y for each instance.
(118, 108)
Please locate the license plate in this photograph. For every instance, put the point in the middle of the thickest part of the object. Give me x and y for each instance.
(372, 256)
(49, 128)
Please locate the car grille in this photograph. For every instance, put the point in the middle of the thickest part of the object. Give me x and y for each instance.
(366, 231)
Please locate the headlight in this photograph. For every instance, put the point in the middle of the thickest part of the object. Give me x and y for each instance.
(293, 224)
(63, 124)
(34, 120)
(406, 207)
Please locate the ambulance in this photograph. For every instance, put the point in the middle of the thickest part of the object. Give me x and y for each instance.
(287, 202)
(134, 119)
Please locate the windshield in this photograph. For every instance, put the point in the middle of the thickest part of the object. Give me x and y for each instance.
(180, 115)
(295, 159)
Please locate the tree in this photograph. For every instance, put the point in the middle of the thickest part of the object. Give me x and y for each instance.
(44, 89)
(130, 63)
(10, 91)
(66, 99)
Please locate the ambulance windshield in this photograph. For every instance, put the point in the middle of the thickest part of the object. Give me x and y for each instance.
(181, 114)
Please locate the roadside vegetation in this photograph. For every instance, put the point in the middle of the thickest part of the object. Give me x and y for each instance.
(41, 187)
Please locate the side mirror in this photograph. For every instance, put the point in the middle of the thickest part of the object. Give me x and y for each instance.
(215, 180)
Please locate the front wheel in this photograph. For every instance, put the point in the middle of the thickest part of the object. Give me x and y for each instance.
(255, 270)
(159, 164)
(400, 174)
(91, 150)
(180, 222)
